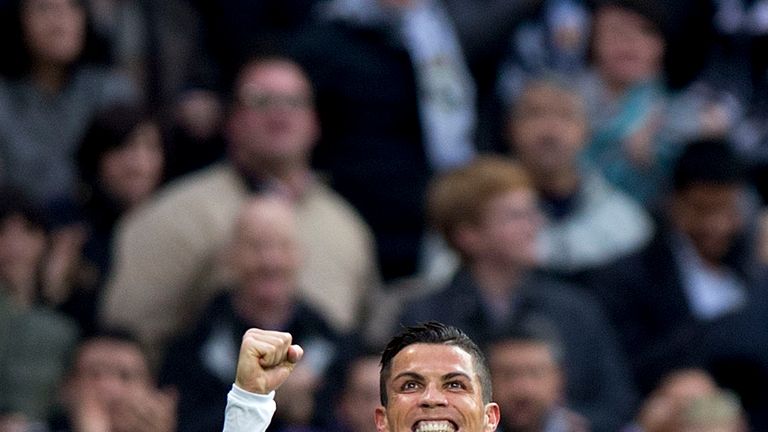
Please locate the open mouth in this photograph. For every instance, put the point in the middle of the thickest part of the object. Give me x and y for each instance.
(435, 426)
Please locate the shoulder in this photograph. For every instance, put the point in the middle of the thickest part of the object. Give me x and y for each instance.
(321, 202)
(195, 192)
(107, 83)
(200, 206)
(601, 196)
(558, 296)
(48, 328)
(446, 303)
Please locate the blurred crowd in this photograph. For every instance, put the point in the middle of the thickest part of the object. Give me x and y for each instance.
(579, 185)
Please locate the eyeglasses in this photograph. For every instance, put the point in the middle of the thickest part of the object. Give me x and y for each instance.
(267, 101)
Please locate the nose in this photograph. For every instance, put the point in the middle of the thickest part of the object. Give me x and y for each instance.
(433, 396)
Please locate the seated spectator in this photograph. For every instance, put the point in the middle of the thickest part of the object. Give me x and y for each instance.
(689, 400)
(687, 297)
(167, 263)
(359, 395)
(50, 89)
(589, 222)
(488, 213)
(266, 258)
(109, 387)
(528, 374)
(350, 392)
(35, 339)
(638, 126)
(625, 96)
(120, 161)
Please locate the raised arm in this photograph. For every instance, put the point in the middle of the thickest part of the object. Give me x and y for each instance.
(265, 362)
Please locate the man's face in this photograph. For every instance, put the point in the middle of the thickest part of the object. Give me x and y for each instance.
(527, 382)
(710, 216)
(435, 388)
(266, 254)
(54, 30)
(361, 396)
(132, 171)
(547, 129)
(627, 46)
(112, 371)
(273, 121)
(507, 232)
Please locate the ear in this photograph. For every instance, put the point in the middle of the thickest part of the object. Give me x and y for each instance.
(492, 416)
(380, 416)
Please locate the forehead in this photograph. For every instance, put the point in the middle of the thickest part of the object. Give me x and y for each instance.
(17, 220)
(102, 353)
(273, 75)
(711, 194)
(616, 18)
(45, 5)
(433, 360)
(516, 199)
(549, 95)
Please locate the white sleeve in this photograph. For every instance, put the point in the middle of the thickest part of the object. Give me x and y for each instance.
(248, 412)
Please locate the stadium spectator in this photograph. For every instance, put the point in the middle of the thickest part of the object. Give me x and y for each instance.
(167, 263)
(487, 211)
(266, 260)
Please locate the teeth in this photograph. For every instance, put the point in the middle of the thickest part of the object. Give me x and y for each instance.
(435, 426)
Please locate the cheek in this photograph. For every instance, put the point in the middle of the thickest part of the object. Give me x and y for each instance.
(34, 33)
(111, 171)
(652, 50)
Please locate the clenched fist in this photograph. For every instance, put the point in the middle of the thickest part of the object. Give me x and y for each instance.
(266, 359)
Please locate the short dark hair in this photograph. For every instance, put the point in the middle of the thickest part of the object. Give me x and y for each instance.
(108, 131)
(433, 332)
(14, 202)
(259, 58)
(119, 335)
(533, 328)
(653, 11)
(710, 162)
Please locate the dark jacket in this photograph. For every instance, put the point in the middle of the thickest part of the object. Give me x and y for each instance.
(645, 299)
(371, 145)
(202, 390)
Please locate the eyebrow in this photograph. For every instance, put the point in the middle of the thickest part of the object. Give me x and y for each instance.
(413, 375)
(452, 375)
(445, 377)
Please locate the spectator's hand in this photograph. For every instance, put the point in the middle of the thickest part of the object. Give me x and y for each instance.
(62, 262)
(153, 411)
(659, 414)
(141, 410)
(641, 145)
(88, 411)
(14, 422)
(266, 359)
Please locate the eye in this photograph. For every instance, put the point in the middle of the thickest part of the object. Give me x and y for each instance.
(455, 385)
(409, 385)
